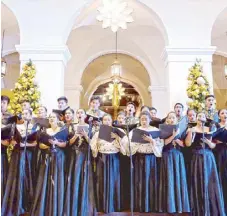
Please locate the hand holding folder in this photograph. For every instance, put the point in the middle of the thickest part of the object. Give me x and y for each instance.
(105, 133)
(167, 130)
(139, 135)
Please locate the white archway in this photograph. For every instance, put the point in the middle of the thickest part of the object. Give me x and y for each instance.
(149, 68)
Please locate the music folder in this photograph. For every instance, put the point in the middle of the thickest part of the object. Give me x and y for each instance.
(6, 132)
(220, 134)
(167, 130)
(43, 122)
(105, 133)
(199, 136)
(61, 136)
(138, 134)
(94, 118)
(30, 137)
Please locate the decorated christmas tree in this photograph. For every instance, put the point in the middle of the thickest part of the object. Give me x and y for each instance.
(198, 87)
(25, 89)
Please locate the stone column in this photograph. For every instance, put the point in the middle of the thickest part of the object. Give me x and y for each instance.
(50, 62)
(73, 94)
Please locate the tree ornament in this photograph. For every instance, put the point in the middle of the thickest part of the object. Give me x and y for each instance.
(200, 81)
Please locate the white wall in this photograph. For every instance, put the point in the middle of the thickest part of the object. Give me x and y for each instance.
(177, 24)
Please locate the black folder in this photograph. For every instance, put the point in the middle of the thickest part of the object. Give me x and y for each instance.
(30, 137)
(61, 136)
(220, 134)
(105, 133)
(167, 130)
(6, 132)
(199, 136)
(191, 124)
(11, 120)
(138, 134)
(42, 122)
(94, 118)
(60, 112)
(155, 122)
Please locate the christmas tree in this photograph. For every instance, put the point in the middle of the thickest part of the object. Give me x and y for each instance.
(25, 89)
(198, 87)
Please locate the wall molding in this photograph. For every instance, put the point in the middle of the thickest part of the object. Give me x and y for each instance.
(44, 53)
(187, 54)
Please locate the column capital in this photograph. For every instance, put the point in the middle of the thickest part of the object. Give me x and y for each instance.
(43, 53)
(157, 88)
(187, 54)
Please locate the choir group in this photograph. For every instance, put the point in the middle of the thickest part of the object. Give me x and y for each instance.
(62, 167)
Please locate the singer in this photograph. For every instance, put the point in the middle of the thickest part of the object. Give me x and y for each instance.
(220, 152)
(107, 175)
(79, 197)
(49, 192)
(145, 178)
(205, 192)
(20, 182)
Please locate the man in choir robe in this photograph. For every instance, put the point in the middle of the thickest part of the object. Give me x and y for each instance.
(182, 119)
(26, 105)
(62, 103)
(94, 107)
(96, 112)
(42, 112)
(178, 109)
(130, 111)
(4, 105)
(210, 111)
(153, 112)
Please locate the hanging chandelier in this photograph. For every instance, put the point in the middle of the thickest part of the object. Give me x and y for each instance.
(116, 69)
(3, 62)
(114, 14)
(115, 91)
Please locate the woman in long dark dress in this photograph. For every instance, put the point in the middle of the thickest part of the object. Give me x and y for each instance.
(19, 189)
(205, 191)
(4, 166)
(124, 168)
(145, 166)
(173, 188)
(79, 197)
(107, 175)
(49, 193)
(220, 152)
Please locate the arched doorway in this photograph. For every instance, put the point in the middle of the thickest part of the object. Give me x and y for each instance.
(97, 76)
(130, 94)
(11, 30)
(143, 40)
(219, 39)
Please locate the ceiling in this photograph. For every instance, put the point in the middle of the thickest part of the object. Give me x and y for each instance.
(142, 15)
(10, 26)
